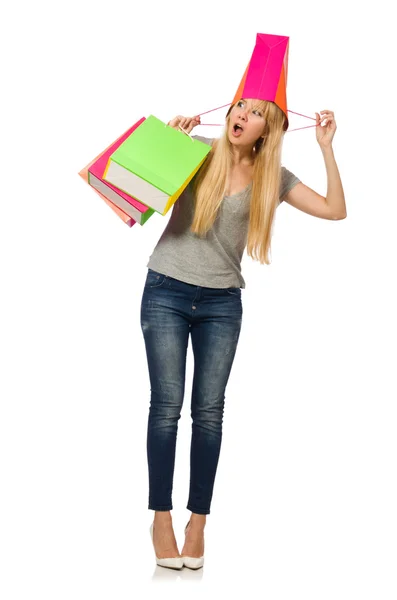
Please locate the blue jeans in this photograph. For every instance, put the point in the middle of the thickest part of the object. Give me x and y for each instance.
(170, 311)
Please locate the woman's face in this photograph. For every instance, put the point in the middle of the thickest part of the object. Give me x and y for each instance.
(246, 122)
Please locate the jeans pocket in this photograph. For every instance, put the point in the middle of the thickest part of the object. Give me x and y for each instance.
(233, 291)
(154, 279)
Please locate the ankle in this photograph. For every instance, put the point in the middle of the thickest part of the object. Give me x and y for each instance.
(162, 517)
(197, 521)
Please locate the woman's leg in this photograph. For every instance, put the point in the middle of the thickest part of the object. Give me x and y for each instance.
(215, 336)
(166, 334)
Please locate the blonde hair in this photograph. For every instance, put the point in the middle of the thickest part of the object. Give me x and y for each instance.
(211, 181)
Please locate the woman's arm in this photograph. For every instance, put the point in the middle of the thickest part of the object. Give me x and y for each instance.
(303, 198)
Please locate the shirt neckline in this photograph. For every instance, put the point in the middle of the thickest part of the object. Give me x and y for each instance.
(240, 193)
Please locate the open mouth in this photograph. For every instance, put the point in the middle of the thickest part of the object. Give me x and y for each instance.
(237, 130)
(237, 127)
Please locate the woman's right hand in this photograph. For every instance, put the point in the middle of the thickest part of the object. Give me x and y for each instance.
(185, 123)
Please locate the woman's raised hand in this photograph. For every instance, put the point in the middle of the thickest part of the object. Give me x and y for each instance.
(184, 123)
(325, 132)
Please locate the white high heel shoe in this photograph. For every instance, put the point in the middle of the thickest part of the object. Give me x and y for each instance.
(190, 562)
(170, 563)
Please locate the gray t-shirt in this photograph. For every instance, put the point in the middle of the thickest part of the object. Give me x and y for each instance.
(215, 260)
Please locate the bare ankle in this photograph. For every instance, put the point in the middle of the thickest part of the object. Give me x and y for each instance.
(197, 520)
(162, 516)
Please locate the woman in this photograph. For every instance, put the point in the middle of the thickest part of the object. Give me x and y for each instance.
(194, 286)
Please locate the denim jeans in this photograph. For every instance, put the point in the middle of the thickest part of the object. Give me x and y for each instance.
(170, 311)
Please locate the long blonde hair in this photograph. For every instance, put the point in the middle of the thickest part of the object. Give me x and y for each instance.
(211, 181)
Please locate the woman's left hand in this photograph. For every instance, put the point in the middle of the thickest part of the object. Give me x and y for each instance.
(325, 133)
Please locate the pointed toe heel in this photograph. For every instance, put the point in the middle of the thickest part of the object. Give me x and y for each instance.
(170, 563)
(190, 562)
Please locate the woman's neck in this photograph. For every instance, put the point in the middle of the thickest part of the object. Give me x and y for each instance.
(242, 156)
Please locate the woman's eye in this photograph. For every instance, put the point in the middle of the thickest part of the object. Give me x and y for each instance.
(257, 112)
(240, 103)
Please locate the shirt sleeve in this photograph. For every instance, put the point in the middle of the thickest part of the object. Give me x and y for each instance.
(288, 181)
(205, 140)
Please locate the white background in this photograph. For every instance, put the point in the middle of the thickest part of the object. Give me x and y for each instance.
(305, 496)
